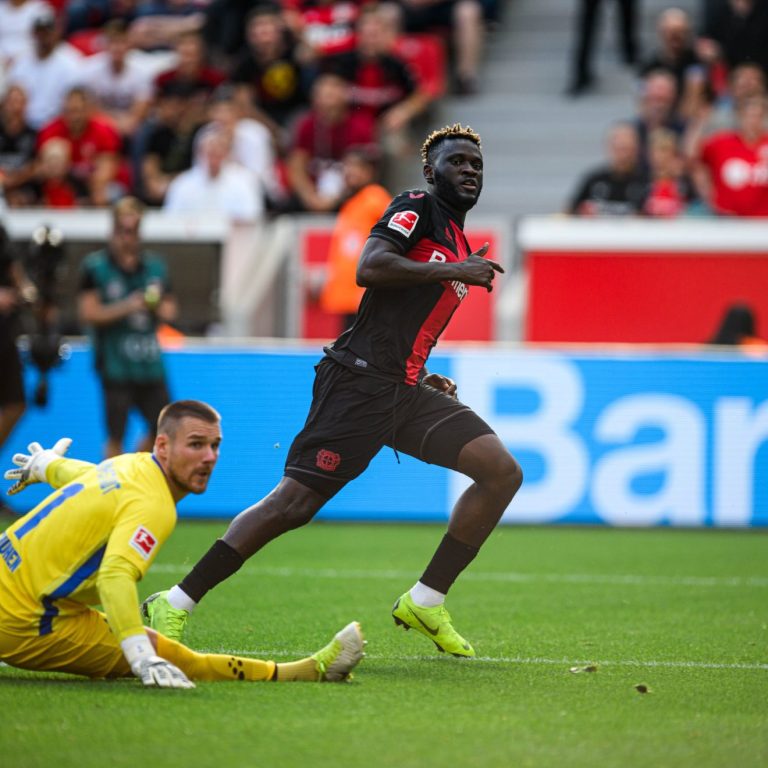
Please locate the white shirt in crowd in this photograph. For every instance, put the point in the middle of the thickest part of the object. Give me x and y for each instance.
(46, 81)
(252, 148)
(16, 37)
(116, 91)
(233, 192)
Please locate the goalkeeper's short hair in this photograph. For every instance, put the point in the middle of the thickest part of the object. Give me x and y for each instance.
(171, 416)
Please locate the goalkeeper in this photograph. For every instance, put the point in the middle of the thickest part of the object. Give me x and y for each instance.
(90, 541)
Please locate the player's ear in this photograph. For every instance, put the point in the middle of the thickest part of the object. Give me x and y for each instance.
(161, 446)
(428, 172)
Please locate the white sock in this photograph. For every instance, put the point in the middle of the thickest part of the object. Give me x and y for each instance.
(425, 596)
(179, 599)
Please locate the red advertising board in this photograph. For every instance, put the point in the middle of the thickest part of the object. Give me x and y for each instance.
(473, 320)
(644, 292)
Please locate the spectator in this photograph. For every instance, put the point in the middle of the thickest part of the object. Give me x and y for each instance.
(83, 15)
(160, 23)
(734, 33)
(95, 147)
(323, 27)
(17, 18)
(621, 187)
(746, 81)
(14, 287)
(322, 137)
(215, 183)
(169, 142)
(364, 204)
(48, 73)
(582, 74)
(737, 328)
(382, 85)
(55, 185)
(119, 84)
(249, 139)
(656, 109)
(192, 73)
(464, 18)
(17, 148)
(124, 295)
(731, 173)
(670, 190)
(675, 54)
(270, 81)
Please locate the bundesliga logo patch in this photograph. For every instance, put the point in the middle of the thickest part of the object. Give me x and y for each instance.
(404, 222)
(327, 460)
(143, 542)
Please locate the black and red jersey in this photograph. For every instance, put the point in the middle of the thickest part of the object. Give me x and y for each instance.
(396, 328)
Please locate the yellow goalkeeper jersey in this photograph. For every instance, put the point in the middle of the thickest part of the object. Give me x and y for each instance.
(89, 542)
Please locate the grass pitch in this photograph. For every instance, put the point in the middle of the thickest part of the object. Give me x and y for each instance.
(682, 613)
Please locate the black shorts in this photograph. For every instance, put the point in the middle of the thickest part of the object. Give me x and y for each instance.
(149, 398)
(12, 378)
(353, 416)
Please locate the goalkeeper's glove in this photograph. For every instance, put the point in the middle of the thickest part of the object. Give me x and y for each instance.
(32, 466)
(150, 668)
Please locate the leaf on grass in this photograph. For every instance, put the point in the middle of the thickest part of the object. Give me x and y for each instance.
(642, 688)
(588, 668)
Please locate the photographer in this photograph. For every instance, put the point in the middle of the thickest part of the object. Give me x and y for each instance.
(124, 295)
(15, 290)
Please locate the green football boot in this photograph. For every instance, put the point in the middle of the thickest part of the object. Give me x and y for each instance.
(163, 617)
(341, 655)
(433, 623)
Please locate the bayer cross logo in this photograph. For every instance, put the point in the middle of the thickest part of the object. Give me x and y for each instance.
(327, 460)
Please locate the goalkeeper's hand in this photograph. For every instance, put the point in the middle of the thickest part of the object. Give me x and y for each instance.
(149, 667)
(152, 670)
(32, 466)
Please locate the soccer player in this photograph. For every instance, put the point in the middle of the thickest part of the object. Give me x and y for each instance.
(372, 390)
(94, 538)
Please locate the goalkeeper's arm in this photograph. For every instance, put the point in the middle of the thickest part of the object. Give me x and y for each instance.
(116, 583)
(45, 465)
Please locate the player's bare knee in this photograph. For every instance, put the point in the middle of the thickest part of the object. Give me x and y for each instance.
(296, 512)
(505, 474)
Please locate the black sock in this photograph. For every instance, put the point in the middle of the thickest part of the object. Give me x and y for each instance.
(450, 559)
(217, 564)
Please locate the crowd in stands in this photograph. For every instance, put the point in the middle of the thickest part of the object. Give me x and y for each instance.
(698, 141)
(247, 107)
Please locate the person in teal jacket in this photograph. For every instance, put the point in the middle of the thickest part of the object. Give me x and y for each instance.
(124, 295)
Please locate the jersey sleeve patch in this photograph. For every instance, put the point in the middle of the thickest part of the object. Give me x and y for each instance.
(143, 542)
(403, 222)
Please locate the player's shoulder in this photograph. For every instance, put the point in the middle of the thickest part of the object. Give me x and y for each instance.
(406, 212)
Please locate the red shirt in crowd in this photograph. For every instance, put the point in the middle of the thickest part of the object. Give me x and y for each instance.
(327, 143)
(328, 28)
(739, 174)
(98, 137)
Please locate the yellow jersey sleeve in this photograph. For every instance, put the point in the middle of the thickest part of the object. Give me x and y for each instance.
(63, 471)
(116, 584)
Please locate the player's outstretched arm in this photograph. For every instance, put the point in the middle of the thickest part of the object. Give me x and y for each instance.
(116, 584)
(33, 467)
(382, 265)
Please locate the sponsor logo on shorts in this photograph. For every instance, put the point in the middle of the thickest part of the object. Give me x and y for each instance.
(404, 222)
(327, 460)
(143, 542)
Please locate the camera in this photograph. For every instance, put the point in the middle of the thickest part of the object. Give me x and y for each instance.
(46, 349)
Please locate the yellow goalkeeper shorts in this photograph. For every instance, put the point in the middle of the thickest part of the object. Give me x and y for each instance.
(81, 643)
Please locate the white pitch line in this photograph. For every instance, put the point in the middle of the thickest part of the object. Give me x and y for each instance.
(262, 653)
(512, 577)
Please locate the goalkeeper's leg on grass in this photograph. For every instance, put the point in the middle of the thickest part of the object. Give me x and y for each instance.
(332, 663)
